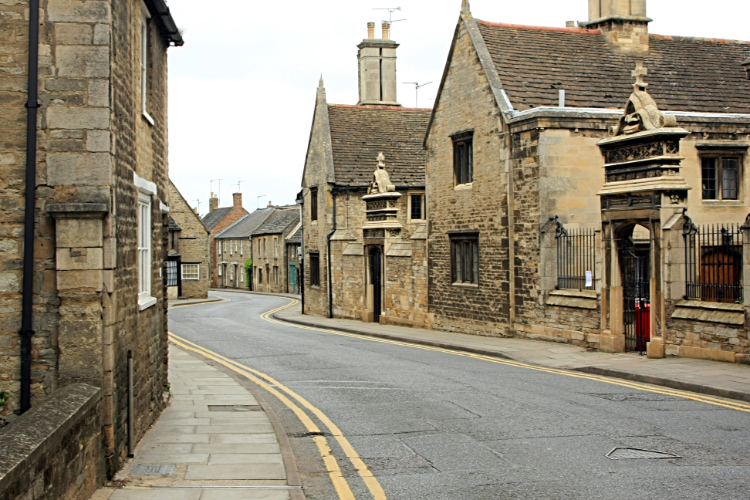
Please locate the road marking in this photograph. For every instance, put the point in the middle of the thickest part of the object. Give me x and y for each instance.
(334, 472)
(733, 405)
(369, 479)
(201, 303)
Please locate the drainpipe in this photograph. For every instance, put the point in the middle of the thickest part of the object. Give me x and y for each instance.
(330, 289)
(28, 235)
(301, 271)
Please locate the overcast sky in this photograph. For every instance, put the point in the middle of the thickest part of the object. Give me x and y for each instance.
(242, 88)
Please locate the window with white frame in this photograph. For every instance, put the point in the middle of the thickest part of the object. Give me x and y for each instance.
(276, 248)
(218, 246)
(242, 274)
(220, 270)
(191, 272)
(231, 250)
(242, 247)
(146, 190)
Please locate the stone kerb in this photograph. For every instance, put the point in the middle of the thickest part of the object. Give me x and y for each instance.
(54, 450)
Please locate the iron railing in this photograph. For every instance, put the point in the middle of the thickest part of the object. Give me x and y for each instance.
(576, 258)
(713, 262)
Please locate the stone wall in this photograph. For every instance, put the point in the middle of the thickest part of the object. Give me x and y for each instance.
(467, 103)
(54, 451)
(191, 243)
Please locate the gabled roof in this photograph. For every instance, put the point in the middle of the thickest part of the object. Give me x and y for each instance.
(296, 237)
(214, 217)
(684, 74)
(173, 226)
(360, 133)
(244, 227)
(278, 222)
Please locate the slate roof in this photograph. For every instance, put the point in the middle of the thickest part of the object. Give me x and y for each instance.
(296, 237)
(684, 74)
(278, 222)
(244, 227)
(212, 218)
(359, 133)
(173, 226)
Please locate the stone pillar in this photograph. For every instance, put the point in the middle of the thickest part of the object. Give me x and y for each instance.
(614, 341)
(80, 279)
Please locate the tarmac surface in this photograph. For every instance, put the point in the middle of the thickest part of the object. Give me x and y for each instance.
(430, 420)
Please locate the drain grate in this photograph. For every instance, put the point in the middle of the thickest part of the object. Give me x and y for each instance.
(635, 453)
(234, 408)
(152, 470)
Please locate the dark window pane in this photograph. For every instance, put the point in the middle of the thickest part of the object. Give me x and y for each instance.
(313, 203)
(315, 269)
(469, 162)
(709, 178)
(416, 206)
(729, 178)
(463, 159)
(465, 260)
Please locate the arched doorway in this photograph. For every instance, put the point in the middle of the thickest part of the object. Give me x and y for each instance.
(634, 249)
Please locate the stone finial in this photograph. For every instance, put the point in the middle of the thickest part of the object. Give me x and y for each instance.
(638, 73)
(381, 181)
(321, 85)
(641, 112)
(465, 8)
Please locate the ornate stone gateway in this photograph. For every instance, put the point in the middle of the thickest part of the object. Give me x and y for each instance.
(643, 191)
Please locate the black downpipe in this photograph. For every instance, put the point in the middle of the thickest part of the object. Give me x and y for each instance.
(330, 288)
(28, 232)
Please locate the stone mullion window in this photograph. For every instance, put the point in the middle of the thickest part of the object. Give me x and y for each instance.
(463, 158)
(465, 259)
(720, 177)
(315, 269)
(313, 204)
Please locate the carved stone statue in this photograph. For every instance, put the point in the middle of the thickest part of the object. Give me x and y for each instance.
(641, 112)
(381, 181)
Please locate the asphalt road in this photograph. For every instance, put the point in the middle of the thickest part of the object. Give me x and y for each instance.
(434, 425)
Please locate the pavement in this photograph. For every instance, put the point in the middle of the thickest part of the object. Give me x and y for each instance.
(707, 377)
(217, 438)
(190, 302)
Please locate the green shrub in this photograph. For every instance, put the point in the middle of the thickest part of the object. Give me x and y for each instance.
(249, 274)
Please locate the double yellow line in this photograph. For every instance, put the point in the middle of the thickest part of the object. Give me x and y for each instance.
(733, 405)
(284, 394)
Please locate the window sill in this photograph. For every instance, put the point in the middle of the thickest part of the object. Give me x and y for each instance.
(417, 221)
(148, 118)
(144, 304)
(466, 285)
(463, 187)
(726, 203)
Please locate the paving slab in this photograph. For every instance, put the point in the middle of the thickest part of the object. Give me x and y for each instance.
(709, 377)
(209, 449)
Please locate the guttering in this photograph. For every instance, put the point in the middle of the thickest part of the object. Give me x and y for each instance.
(32, 105)
(330, 234)
(594, 113)
(169, 27)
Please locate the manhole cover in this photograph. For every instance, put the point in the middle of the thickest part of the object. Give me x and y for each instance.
(635, 453)
(152, 470)
(234, 408)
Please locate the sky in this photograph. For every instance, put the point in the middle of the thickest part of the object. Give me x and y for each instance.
(242, 88)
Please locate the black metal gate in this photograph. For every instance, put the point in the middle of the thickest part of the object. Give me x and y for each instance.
(636, 285)
(376, 272)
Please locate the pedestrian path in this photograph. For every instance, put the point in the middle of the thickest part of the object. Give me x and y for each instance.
(214, 442)
(708, 377)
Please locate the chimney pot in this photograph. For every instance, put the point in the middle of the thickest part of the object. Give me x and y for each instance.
(570, 24)
(370, 30)
(237, 198)
(386, 31)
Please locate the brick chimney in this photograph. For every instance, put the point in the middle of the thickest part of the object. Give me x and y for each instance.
(623, 23)
(377, 68)
(213, 203)
(237, 199)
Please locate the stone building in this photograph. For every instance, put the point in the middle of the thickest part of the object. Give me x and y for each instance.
(271, 263)
(217, 220)
(294, 258)
(234, 250)
(187, 260)
(83, 285)
(559, 191)
(374, 262)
